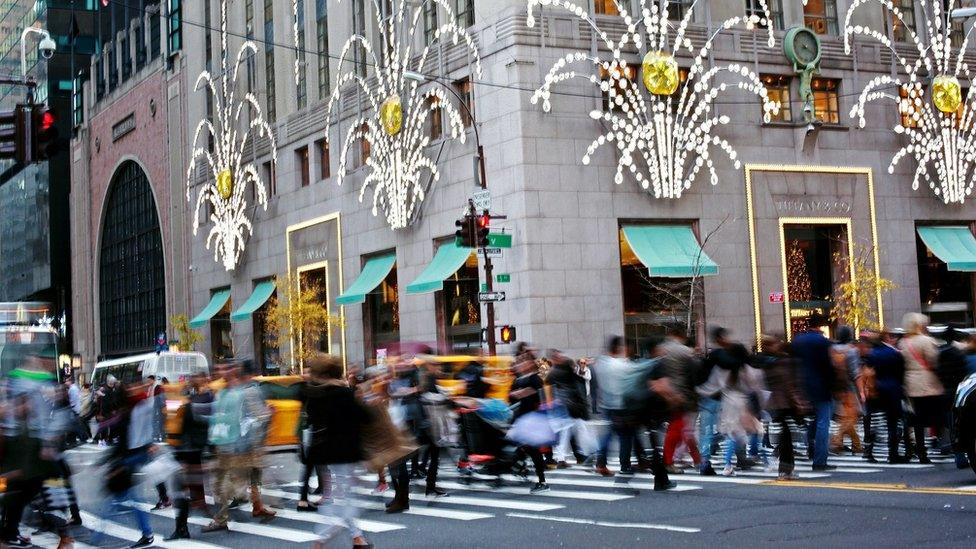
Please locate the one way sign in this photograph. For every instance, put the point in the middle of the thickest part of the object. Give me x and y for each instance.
(487, 297)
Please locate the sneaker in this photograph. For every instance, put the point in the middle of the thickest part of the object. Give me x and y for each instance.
(163, 504)
(672, 470)
(144, 541)
(627, 471)
(822, 468)
(728, 471)
(562, 465)
(670, 485)
(539, 488)
(788, 476)
(214, 527)
(381, 487)
(19, 541)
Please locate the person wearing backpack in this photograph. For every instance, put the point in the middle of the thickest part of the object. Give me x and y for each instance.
(922, 385)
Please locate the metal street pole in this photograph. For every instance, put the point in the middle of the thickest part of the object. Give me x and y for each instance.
(483, 183)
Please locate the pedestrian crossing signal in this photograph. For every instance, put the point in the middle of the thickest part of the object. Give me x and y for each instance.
(507, 334)
(484, 225)
(44, 133)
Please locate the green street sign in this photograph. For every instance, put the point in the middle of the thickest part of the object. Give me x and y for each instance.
(499, 240)
(484, 287)
(501, 278)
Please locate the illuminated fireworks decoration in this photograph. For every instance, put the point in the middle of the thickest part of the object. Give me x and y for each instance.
(393, 124)
(235, 122)
(935, 117)
(667, 127)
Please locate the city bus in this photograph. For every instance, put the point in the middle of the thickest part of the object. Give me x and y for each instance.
(174, 366)
(26, 330)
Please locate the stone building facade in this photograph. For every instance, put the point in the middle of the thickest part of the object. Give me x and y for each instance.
(820, 190)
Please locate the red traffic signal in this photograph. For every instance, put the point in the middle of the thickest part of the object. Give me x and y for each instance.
(44, 133)
(484, 226)
(13, 124)
(507, 334)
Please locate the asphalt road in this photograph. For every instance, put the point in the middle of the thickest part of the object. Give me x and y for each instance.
(861, 504)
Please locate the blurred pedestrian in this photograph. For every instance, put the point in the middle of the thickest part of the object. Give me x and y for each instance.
(526, 392)
(189, 447)
(335, 420)
(812, 350)
(786, 400)
(680, 366)
(611, 371)
(847, 366)
(922, 385)
(569, 392)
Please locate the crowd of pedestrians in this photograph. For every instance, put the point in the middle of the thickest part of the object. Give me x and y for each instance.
(712, 409)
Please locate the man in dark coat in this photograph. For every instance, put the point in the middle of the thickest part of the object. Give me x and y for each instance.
(812, 349)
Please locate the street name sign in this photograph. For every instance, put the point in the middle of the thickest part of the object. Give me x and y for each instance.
(490, 297)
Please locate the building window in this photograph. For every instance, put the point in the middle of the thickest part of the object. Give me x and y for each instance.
(249, 32)
(430, 23)
(901, 27)
(946, 296)
(175, 29)
(778, 89)
(301, 93)
(465, 89)
(826, 105)
(821, 16)
(154, 38)
(77, 101)
(605, 7)
(364, 146)
(325, 161)
(435, 124)
(207, 41)
(464, 11)
(907, 110)
(653, 304)
(816, 266)
(677, 9)
(132, 288)
(221, 333)
(269, 62)
(271, 177)
(301, 162)
(316, 280)
(754, 7)
(382, 316)
(359, 28)
(459, 312)
(322, 43)
(620, 82)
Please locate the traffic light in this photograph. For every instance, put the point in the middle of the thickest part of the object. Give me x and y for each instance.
(465, 234)
(484, 225)
(44, 133)
(507, 334)
(12, 140)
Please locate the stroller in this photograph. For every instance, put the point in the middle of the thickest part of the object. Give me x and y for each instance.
(489, 454)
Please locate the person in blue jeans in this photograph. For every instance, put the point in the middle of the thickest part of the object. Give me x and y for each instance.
(708, 409)
(611, 372)
(812, 349)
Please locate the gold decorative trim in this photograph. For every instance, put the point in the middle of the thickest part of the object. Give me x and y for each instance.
(750, 210)
(335, 216)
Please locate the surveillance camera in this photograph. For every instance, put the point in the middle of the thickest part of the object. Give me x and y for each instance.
(47, 47)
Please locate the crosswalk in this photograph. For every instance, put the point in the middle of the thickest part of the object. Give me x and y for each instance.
(466, 504)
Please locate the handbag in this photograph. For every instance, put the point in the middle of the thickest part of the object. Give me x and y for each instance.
(160, 469)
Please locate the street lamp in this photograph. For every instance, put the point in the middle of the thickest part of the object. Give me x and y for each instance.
(483, 183)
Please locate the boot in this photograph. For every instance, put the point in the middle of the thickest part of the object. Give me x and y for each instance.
(258, 510)
(182, 515)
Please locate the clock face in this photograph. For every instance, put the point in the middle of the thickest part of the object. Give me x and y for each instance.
(802, 46)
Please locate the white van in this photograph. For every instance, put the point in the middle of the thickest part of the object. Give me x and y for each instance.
(176, 367)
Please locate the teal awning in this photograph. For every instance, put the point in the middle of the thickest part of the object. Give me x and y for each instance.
(217, 302)
(374, 272)
(446, 262)
(262, 291)
(669, 251)
(954, 245)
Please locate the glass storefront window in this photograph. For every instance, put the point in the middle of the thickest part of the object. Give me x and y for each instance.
(268, 355)
(652, 304)
(815, 268)
(317, 279)
(778, 87)
(382, 316)
(459, 310)
(221, 336)
(946, 296)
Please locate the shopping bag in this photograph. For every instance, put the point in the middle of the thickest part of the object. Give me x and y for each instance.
(532, 430)
(160, 468)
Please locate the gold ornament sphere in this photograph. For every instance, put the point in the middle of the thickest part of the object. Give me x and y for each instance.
(391, 115)
(660, 73)
(225, 184)
(946, 93)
